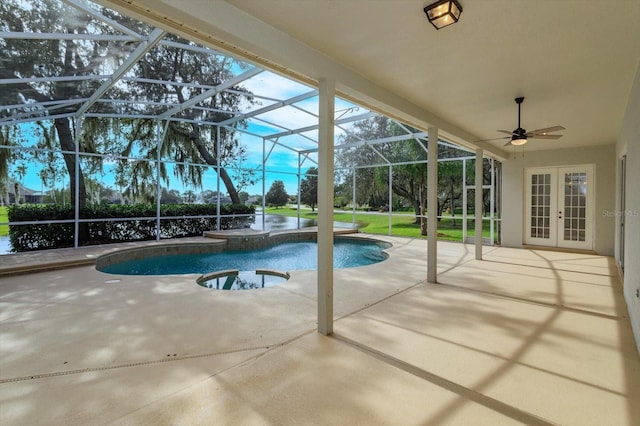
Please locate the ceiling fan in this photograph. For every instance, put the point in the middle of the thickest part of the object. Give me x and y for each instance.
(520, 136)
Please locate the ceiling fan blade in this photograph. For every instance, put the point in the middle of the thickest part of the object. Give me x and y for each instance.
(544, 136)
(508, 144)
(505, 131)
(546, 130)
(493, 139)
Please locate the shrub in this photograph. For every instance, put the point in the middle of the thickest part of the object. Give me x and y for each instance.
(176, 220)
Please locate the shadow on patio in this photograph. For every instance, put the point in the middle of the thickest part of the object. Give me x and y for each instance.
(521, 337)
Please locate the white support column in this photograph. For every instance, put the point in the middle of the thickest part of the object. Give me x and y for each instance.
(390, 198)
(264, 181)
(478, 204)
(353, 199)
(299, 192)
(325, 206)
(160, 135)
(218, 163)
(432, 206)
(492, 208)
(464, 201)
(76, 172)
(159, 139)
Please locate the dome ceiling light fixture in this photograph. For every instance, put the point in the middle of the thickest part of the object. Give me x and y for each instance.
(443, 13)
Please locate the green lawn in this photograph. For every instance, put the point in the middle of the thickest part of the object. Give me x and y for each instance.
(4, 218)
(403, 226)
(379, 223)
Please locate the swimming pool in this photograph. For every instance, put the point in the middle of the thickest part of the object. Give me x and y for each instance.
(290, 256)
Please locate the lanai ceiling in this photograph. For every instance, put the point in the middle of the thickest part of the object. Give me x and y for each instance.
(573, 60)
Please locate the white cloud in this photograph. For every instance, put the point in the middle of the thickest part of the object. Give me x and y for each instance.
(303, 114)
(274, 86)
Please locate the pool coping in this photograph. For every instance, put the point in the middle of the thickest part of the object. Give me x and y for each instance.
(226, 241)
(62, 258)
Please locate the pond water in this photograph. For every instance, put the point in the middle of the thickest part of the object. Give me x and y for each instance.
(5, 247)
(271, 223)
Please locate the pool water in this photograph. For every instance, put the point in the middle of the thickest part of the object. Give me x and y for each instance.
(281, 257)
(245, 280)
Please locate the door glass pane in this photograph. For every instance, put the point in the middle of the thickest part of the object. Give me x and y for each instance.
(540, 205)
(574, 209)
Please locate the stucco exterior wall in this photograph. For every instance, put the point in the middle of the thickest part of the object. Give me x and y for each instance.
(603, 157)
(629, 144)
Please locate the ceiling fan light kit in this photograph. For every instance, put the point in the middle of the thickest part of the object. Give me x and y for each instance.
(443, 13)
(520, 136)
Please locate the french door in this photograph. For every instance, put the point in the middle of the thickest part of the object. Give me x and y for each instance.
(559, 207)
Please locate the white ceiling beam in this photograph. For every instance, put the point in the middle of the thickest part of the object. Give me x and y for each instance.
(173, 83)
(45, 104)
(35, 113)
(242, 35)
(83, 6)
(315, 126)
(272, 124)
(146, 45)
(10, 122)
(212, 92)
(65, 36)
(272, 107)
(390, 139)
(20, 80)
(191, 47)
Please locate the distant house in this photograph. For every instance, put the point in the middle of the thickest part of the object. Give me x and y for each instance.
(25, 195)
(252, 201)
(223, 200)
(212, 199)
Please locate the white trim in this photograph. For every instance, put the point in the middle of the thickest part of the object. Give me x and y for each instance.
(556, 225)
(432, 205)
(326, 106)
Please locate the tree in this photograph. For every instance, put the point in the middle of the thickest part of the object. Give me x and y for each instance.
(342, 192)
(191, 72)
(189, 196)
(5, 157)
(244, 196)
(309, 188)
(409, 180)
(450, 182)
(43, 58)
(109, 196)
(372, 183)
(277, 195)
(187, 141)
(170, 197)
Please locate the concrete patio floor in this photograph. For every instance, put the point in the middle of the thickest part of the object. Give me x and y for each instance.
(522, 337)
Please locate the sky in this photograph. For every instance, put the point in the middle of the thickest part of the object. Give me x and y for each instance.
(282, 163)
